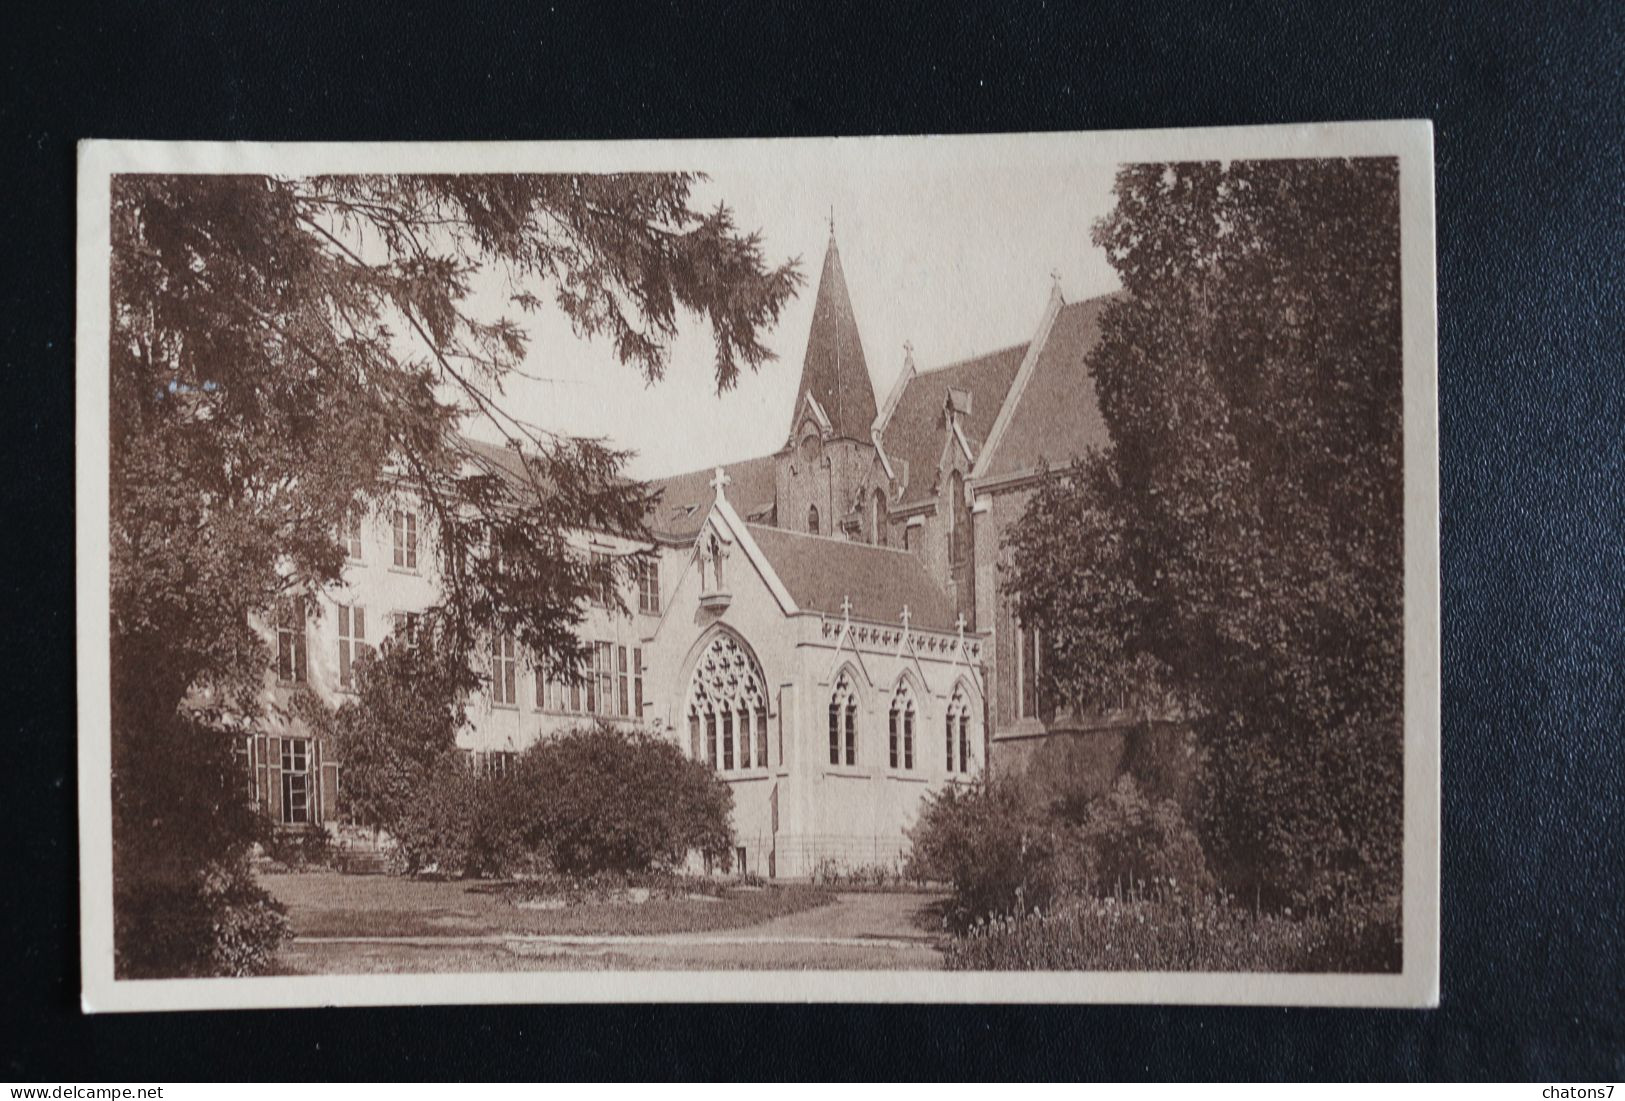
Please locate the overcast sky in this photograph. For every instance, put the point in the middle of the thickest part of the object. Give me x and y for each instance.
(956, 260)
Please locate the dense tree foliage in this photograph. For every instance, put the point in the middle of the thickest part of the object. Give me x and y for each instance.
(287, 352)
(1239, 543)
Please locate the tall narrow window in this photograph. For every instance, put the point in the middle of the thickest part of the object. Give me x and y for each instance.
(604, 674)
(958, 732)
(406, 539)
(504, 679)
(649, 586)
(812, 519)
(956, 537)
(623, 673)
(746, 758)
(295, 781)
(843, 722)
(352, 537)
(1029, 655)
(711, 740)
(637, 683)
(727, 740)
(290, 643)
(902, 727)
(761, 738)
(877, 520)
(693, 735)
(352, 642)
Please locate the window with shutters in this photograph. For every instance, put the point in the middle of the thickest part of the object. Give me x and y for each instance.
(291, 641)
(504, 672)
(352, 642)
(296, 803)
(406, 539)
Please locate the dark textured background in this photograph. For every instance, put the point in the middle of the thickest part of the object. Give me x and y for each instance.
(1527, 108)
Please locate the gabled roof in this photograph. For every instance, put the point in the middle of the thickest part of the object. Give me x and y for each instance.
(834, 370)
(685, 498)
(1055, 415)
(915, 432)
(820, 572)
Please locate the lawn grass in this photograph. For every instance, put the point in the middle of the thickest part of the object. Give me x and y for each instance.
(326, 904)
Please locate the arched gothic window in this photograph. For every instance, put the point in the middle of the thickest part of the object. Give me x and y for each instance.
(843, 722)
(812, 519)
(901, 727)
(956, 732)
(727, 704)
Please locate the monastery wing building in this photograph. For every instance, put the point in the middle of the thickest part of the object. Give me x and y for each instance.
(823, 624)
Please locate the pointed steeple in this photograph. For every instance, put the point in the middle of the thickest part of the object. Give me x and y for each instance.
(834, 371)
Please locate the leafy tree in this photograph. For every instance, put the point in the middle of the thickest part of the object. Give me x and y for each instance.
(606, 799)
(1241, 536)
(285, 352)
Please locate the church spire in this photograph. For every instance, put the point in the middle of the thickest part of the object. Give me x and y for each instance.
(834, 371)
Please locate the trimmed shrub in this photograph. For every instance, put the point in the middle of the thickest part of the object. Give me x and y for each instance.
(992, 846)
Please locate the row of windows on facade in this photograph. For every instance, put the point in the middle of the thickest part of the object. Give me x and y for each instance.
(959, 521)
(404, 556)
(611, 685)
(901, 716)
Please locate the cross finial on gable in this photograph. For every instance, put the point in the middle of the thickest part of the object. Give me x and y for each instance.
(719, 480)
(846, 607)
(907, 615)
(959, 624)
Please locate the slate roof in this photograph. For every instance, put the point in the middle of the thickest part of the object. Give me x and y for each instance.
(686, 498)
(1057, 414)
(834, 370)
(821, 571)
(914, 434)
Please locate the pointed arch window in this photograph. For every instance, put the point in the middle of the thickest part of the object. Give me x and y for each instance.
(900, 728)
(812, 519)
(843, 722)
(727, 705)
(956, 733)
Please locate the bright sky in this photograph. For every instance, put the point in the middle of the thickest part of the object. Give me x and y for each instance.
(958, 262)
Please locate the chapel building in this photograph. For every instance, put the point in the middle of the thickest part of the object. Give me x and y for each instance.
(823, 625)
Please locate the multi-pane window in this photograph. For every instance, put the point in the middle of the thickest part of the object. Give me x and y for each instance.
(290, 644)
(637, 682)
(496, 762)
(727, 708)
(648, 571)
(406, 539)
(623, 682)
(901, 729)
(352, 642)
(843, 723)
(504, 672)
(296, 781)
(408, 629)
(352, 537)
(604, 588)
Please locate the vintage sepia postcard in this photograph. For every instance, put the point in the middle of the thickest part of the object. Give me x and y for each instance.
(982, 568)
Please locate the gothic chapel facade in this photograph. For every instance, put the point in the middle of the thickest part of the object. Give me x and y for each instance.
(823, 625)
